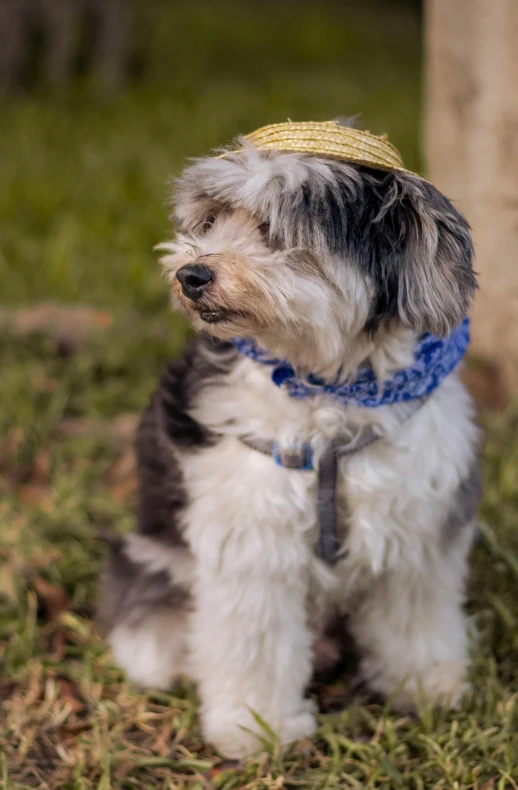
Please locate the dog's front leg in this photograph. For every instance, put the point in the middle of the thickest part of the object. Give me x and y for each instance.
(411, 631)
(250, 652)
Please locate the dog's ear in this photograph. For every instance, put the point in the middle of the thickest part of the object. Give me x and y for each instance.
(423, 251)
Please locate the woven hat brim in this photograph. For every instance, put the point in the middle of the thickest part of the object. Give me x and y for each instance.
(329, 140)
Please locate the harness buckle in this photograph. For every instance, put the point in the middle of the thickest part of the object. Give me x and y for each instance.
(299, 457)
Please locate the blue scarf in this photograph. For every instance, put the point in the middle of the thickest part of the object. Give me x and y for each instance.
(434, 359)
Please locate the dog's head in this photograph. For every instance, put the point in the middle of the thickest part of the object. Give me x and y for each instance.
(296, 249)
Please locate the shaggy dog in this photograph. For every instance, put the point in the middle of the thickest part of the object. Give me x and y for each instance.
(333, 267)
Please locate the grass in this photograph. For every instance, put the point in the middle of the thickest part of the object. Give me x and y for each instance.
(83, 201)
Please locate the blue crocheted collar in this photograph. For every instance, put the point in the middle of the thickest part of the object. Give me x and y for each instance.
(434, 359)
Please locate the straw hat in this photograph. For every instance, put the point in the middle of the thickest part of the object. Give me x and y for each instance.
(331, 140)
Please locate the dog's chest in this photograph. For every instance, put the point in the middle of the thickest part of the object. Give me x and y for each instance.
(247, 510)
(247, 515)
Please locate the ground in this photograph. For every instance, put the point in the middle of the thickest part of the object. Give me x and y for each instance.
(83, 202)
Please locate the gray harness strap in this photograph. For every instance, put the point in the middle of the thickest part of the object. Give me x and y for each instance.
(301, 457)
(328, 538)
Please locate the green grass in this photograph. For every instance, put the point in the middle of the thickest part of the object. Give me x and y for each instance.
(83, 201)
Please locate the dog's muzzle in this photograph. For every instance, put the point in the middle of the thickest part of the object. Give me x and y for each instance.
(194, 278)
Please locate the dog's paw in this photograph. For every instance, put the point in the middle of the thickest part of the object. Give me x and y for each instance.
(233, 743)
(441, 685)
(297, 727)
(237, 740)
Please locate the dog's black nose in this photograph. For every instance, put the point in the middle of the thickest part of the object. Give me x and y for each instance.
(193, 279)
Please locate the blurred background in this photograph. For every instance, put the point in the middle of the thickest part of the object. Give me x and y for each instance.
(101, 104)
(90, 141)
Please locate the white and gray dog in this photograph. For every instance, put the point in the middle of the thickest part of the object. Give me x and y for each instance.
(275, 487)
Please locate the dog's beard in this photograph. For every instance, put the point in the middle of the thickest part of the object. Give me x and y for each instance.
(254, 287)
(291, 302)
(294, 316)
(218, 315)
(241, 298)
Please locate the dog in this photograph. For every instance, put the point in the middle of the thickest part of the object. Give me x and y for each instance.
(316, 268)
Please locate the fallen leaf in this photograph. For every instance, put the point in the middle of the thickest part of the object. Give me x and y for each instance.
(40, 472)
(57, 644)
(36, 495)
(124, 467)
(69, 693)
(53, 597)
(10, 446)
(70, 731)
(67, 326)
(123, 491)
(224, 765)
(122, 428)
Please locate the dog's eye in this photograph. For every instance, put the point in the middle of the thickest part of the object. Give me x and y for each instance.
(207, 223)
(264, 230)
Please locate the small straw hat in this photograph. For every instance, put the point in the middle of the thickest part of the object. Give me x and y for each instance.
(331, 140)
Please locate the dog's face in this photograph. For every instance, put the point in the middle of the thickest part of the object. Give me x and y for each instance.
(295, 250)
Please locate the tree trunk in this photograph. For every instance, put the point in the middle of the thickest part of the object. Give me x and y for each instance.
(14, 22)
(111, 42)
(61, 19)
(472, 147)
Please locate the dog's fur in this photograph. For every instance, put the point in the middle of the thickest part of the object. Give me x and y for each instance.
(331, 266)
